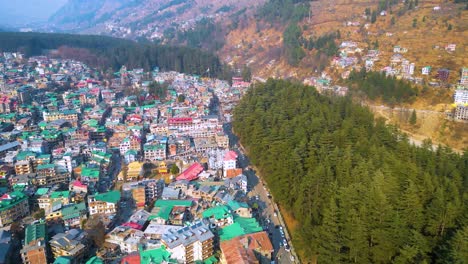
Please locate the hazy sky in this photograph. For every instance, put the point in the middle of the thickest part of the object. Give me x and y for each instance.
(19, 12)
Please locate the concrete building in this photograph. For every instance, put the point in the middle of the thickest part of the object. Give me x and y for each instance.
(191, 243)
(72, 244)
(13, 206)
(104, 203)
(35, 247)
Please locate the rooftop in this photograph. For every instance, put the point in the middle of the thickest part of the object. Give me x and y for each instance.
(109, 197)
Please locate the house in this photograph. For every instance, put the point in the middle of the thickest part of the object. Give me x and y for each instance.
(189, 244)
(464, 77)
(104, 203)
(461, 113)
(229, 161)
(250, 248)
(191, 173)
(451, 47)
(35, 246)
(126, 238)
(13, 206)
(72, 244)
(73, 214)
(219, 216)
(443, 74)
(426, 70)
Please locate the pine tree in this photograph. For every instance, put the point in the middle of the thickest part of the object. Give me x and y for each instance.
(330, 245)
(413, 118)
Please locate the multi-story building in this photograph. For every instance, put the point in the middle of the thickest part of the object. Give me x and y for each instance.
(69, 115)
(35, 244)
(23, 167)
(189, 244)
(461, 113)
(138, 195)
(72, 244)
(126, 238)
(461, 96)
(104, 203)
(73, 214)
(464, 77)
(229, 161)
(13, 206)
(155, 152)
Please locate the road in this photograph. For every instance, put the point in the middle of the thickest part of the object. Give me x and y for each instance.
(269, 217)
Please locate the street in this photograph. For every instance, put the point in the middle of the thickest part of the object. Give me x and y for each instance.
(270, 216)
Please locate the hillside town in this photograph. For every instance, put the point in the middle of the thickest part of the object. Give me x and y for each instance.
(128, 167)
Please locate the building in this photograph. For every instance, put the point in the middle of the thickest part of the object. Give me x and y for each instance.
(464, 77)
(189, 244)
(138, 195)
(461, 96)
(426, 70)
(13, 206)
(72, 244)
(126, 238)
(443, 74)
(104, 203)
(251, 248)
(229, 162)
(461, 113)
(154, 152)
(35, 248)
(73, 214)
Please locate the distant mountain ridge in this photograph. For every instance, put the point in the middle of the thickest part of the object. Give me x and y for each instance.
(142, 18)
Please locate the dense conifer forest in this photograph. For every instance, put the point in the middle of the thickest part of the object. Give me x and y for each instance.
(105, 52)
(359, 190)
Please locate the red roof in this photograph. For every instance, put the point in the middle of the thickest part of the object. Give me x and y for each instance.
(191, 173)
(131, 259)
(133, 225)
(179, 120)
(230, 155)
(79, 184)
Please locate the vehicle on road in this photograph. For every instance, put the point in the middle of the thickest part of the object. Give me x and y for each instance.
(287, 248)
(292, 258)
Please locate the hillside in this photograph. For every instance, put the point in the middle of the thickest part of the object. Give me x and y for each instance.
(357, 189)
(109, 53)
(148, 19)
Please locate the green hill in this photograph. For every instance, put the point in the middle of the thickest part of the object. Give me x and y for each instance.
(360, 191)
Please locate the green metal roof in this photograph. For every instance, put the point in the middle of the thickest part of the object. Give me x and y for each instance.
(34, 232)
(90, 172)
(234, 205)
(45, 166)
(158, 255)
(218, 212)
(11, 200)
(161, 203)
(164, 212)
(109, 197)
(154, 147)
(94, 260)
(73, 211)
(41, 191)
(60, 194)
(241, 226)
(62, 260)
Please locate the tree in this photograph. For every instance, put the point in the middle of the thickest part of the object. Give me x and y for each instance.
(413, 118)
(175, 169)
(39, 214)
(449, 27)
(415, 22)
(157, 89)
(374, 17)
(246, 73)
(181, 98)
(392, 21)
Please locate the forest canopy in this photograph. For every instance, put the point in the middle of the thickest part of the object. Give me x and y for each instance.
(359, 190)
(105, 52)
